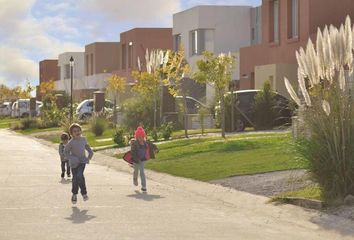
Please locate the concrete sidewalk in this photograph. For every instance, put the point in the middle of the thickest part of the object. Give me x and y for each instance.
(35, 204)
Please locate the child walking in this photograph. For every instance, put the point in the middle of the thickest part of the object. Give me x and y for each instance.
(64, 161)
(75, 151)
(141, 150)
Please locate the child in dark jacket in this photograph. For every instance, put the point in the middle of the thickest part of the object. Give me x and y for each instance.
(64, 161)
(75, 151)
(142, 150)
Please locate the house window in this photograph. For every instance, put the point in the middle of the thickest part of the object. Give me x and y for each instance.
(124, 57)
(294, 17)
(67, 71)
(195, 42)
(202, 40)
(87, 64)
(177, 41)
(130, 56)
(274, 21)
(91, 63)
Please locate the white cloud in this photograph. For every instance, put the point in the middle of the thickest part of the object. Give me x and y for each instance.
(15, 68)
(145, 11)
(24, 38)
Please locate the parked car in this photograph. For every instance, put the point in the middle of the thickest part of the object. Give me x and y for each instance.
(85, 109)
(21, 108)
(5, 109)
(244, 106)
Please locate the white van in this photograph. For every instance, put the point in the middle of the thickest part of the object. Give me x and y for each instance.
(5, 109)
(21, 108)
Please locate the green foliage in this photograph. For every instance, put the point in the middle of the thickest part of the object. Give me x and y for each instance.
(216, 70)
(98, 125)
(166, 130)
(136, 110)
(119, 137)
(264, 108)
(27, 123)
(155, 135)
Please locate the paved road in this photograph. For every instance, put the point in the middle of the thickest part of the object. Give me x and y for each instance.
(34, 204)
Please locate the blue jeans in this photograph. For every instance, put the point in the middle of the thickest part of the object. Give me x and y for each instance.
(79, 179)
(140, 167)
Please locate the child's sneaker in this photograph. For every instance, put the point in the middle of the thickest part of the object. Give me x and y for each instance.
(135, 182)
(69, 175)
(74, 199)
(62, 175)
(85, 197)
(144, 190)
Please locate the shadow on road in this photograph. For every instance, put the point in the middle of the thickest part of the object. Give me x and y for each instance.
(144, 196)
(65, 181)
(79, 216)
(334, 223)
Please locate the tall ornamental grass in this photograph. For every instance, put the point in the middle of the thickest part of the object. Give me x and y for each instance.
(326, 108)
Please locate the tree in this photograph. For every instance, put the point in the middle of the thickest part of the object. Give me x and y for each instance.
(7, 93)
(176, 70)
(264, 108)
(150, 82)
(116, 85)
(217, 71)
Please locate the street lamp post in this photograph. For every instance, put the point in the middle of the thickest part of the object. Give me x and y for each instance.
(71, 87)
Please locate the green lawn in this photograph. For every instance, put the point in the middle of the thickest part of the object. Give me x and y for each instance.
(38, 130)
(6, 122)
(207, 159)
(104, 140)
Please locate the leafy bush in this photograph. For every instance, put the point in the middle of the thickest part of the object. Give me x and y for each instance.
(98, 125)
(136, 110)
(264, 108)
(166, 130)
(27, 123)
(155, 135)
(228, 112)
(119, 137)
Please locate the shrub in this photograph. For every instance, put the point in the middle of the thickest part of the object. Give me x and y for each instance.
(27, 123)
(166, 130)
(327, 110)
(119, 137)
(228, 112)
(264, 108)
(136, 110)
(98, 125)
(155, 135)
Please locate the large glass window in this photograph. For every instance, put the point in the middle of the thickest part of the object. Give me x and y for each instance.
(195, 42)
(294, 18)
(276, 21)
(202, 40)
(177, 41)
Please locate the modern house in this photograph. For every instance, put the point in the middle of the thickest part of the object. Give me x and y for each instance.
(133, 45)
(286, 26)
(218, 29)
(48, 70)
(101, 59)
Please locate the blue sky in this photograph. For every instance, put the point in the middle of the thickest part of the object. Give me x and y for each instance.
(32, 30)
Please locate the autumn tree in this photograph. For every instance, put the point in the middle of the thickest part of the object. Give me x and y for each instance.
(176, 71)
(217, 71)
(115, 86)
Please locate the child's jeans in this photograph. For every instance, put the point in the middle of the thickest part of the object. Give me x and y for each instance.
(79, 179)
(140, 167)
(63, 163)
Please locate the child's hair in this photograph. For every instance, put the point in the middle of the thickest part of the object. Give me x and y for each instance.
(64, 136)
(74, 125)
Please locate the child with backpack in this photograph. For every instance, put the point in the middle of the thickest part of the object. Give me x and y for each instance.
(75, 151)
(141, 151)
